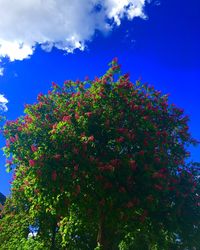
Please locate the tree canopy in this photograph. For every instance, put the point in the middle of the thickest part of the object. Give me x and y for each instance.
(104, 164)
(2, 198)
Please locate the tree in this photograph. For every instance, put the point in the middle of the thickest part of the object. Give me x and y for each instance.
(105, 162)
(2, 198)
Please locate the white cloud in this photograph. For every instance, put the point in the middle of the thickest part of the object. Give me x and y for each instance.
(64, 24)
(1, 71)
(3, 102)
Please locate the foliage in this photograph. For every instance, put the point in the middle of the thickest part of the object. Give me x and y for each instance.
(15, 228)
(107, 160)
(2, 198)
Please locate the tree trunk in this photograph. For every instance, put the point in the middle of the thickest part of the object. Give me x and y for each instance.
(103, 234)
(53, 247)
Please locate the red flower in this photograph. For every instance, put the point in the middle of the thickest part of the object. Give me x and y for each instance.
(129, 204)
(141, 153)
(158, 187)
(12, 139)
(121, 130)
(31, 163)
(91, 138)
(57, 156)
(115, 60)
(102, 202)
(157, 160)
(77, 116)
(150, 198)
(55, 86)
(91, 158)
(39, 172)
(76, 167)
(7, 143)
(66, 118)
(88, 114)
(120, 139)
(107, 123)
(33, 148)
(75, 150)
(143, 216)
(36, 191)
(78, 189)
(98, 177)
(133, 165)
(122, 190)
(73, 175)
(108, 185)
(54, 176)
(19, 129)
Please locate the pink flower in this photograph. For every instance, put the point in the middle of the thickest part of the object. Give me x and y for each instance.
(57, 156)
(122, 190)
(158, 187)
(39, 97)
(141, 152)
(9, 162)
(143, 216)
(78, 189)
(55, 86)
(33, 148)
(121, 130)
(12, 139)
(39, 172)
(115, 59)
(76, 167)
(54, 175)
(107, 123)
(36, 191)
(87, 78)
(120, 139)
(31, 163)
(171, 188)
(98, 177)
(91, 138)
(146, 143)
(91, 158)
(108, 185)
(102, 202)
(77, 116)
(75, 150)
(114, 162)
(109, 167)
(66, 118)
(150, 198)
(73, 175)
(133, 165)
(157, 160)
(129, 204)
(7, 143)
(88, 114)
(146, 167)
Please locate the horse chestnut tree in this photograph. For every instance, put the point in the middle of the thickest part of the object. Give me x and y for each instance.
(104, 163)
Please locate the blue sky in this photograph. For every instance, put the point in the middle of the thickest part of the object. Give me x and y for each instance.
(161, 48)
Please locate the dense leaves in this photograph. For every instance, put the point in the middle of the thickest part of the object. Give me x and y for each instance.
(2, 198)
(105, 161)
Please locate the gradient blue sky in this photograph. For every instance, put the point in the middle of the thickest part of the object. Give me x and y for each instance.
(163, 50)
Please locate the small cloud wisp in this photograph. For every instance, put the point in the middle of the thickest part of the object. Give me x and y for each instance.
(3, 102)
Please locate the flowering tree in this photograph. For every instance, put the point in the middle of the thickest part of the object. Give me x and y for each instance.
(104, 162)
(2, 198)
